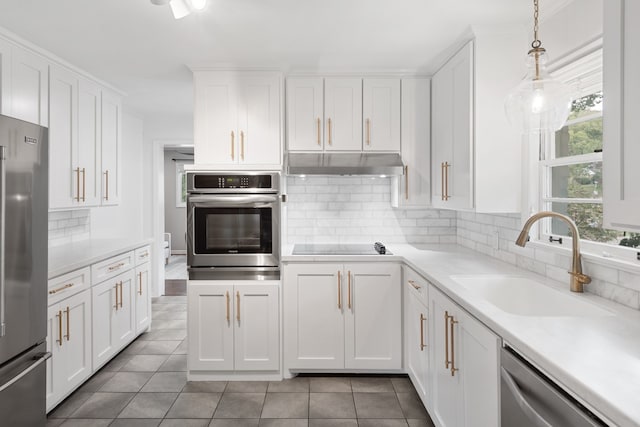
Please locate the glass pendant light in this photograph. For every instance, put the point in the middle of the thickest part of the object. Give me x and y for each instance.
(539, 103)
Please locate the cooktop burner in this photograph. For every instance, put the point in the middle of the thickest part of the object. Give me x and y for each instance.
(336, 249)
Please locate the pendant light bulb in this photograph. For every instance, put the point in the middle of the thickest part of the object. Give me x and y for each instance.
(198, 4)
(539, 103)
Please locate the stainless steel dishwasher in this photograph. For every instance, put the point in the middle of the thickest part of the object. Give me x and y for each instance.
(529, 398)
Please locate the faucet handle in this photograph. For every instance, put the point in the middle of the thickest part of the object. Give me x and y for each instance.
(580, 277)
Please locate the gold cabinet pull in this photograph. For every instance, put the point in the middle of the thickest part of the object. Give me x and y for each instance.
(68, 336)
(238, 304)
(116, 267)
(106, 175)
(84, 185)
(116, 306)
(140, 285)
(446, 180)
(61, 288)
(442, 180)
(329, 124)
(415, 286)
(349, 289)
(339, 291)
(406, 182)
(77, 184)
(446, 340)
(368, 122)
(319, 143)
(59, 316)
(228, 311)
(232, 145)
(422, 344)
(453, 356)
(121, 294)
(242, 145)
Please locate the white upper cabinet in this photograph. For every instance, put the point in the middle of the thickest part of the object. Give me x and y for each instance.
(621, 150)
(89, 141)
(343, 114)
(305, 113)
(415, 185)
(111, 135)
(237, 119)
(381, 114)
(476, 161)
(29, 87)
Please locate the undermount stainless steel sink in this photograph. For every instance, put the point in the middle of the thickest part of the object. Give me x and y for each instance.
(525, 297)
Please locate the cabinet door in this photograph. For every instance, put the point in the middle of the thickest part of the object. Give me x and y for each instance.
(256, 332)
(210, 326)
(416, 142)
(103, 298)
(343, 114)
(111, 128)
(621, 150)
(215, 119)
(452, 128)
(77, 340)
(446, 389)
(313, 316)
(124, 317)
(381, 114)
(5, 77)
(55, 319)
(65, 187)
(29, 87)
(417, 339)
(259, 120)
(143, 298)
(89, 142)
(373, 316)
(305, 118)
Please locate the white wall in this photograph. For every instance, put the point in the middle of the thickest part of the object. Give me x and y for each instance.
(126, 219)
(175, 218)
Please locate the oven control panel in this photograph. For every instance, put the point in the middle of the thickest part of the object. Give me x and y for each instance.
(217, 181)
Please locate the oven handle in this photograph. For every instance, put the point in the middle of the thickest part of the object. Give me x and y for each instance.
(231, 200)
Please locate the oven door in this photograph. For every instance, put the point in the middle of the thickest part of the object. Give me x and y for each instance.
(235, 230)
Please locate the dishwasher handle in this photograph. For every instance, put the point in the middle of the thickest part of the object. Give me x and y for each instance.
(524, 405)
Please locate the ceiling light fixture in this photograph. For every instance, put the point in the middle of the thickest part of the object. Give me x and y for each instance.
(539, 103)
(182, 8)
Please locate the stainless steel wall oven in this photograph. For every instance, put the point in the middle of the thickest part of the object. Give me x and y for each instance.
(233, 225)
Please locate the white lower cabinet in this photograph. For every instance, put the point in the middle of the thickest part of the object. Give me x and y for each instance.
(342, 316)
(142, 297)
(114, 322)
(233, 326)
(416, 333)
(464, 365)
(69, 341)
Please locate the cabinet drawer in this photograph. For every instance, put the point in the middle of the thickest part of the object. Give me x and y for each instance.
(142, 254)
(111, 267)
(416, 284)
(68, 284)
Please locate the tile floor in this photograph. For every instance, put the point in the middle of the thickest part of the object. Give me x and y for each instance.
(146, 385)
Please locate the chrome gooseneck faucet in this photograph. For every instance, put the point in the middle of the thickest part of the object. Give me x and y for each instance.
(578, 279)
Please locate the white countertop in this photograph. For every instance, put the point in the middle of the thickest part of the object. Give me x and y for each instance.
(66, 258)
(597, 359)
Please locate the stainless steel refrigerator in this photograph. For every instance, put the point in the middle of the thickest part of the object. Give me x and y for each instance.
(24, 194)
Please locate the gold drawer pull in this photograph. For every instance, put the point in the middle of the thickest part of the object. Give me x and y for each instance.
(68, 333)
(453, 357)
(349, 289)
(446, 340)
(84, 184)
(144, 255)
(61, 288)
(117, 266)
(339, 291)
(59, 316)
(77, 184)
(116, 306)
(415, 286)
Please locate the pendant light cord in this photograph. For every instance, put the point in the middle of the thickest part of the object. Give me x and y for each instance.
(536, 42)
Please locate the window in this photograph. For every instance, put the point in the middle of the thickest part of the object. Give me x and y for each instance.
(181, 185)
(571, 163)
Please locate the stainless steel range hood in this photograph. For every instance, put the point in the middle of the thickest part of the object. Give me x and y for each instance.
(344, 164)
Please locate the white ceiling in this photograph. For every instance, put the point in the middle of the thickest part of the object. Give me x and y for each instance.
(139, 48)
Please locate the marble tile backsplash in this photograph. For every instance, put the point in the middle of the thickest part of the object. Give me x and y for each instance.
(358, 210)
(69, 226)
(495, 234)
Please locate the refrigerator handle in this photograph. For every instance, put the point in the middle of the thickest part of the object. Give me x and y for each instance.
(37, 361)
(3, 187)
